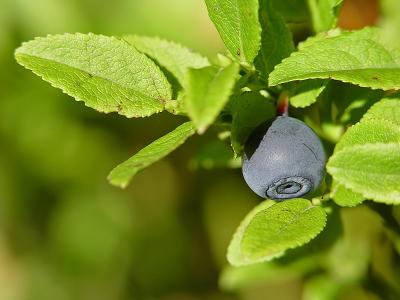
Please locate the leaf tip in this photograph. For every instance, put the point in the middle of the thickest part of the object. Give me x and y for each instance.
(201, 128)
(115, 181)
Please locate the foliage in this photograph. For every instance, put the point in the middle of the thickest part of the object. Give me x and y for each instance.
(138, 76)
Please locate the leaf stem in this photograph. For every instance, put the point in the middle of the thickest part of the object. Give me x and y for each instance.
(282, 107)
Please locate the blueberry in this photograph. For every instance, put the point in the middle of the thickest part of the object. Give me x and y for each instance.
(283, 158)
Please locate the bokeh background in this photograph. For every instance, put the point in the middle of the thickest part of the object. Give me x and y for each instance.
(65, 233)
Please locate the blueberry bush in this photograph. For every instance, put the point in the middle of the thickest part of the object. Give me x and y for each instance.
(343, 84)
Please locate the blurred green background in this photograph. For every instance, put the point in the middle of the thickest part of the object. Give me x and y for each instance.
(65, 233)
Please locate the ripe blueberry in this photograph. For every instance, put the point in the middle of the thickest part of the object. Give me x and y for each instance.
(283, 159)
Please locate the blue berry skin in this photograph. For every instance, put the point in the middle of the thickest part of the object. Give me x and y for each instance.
(283, 159)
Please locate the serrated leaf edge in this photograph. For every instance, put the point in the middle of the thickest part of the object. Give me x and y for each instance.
(298, 244)
(329, 76)
(246, 222)
(334, 191)
(156, 37)
(79, 99)
(346, 185)
(190, 131)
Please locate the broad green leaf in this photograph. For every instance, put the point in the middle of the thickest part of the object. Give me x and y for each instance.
(369, 132)
(269, 230)
(306, 93)
(106, 73)
(174, 57)
(276, 40)
(324, 13)
(360, 57)
(248, 111)
(387, 109)
(238, 25)
(378, 132)
(234, 254)
(123, 173)
(345, 197)
(208, 90)
(372, 170)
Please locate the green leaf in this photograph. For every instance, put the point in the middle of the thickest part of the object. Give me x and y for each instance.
(248, 111)
(238, 25)
(123, 173)
(360, 57)
(106, 73)
(174, 57)
(372, 170)
(345, 197)
(369, 132)
(306, 93)
(234, 255)
(324, 13)
(208, 90)
(271, 229)
(276, 40)
(388, 109)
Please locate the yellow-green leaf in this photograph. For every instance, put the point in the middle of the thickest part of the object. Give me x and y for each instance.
(106, 73)
(174, 57)
(208, 90)
(272, 228)
(363, 57)
(372, 170)
(238, 25)
(158, 149)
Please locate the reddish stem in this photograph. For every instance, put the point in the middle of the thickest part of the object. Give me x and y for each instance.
(282, 107)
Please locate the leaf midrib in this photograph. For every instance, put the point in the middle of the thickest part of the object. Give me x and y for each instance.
(294, 219)
(332, 73)
(242, 51)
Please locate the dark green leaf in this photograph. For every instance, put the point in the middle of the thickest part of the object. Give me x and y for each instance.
(276, 40)
(248, 111)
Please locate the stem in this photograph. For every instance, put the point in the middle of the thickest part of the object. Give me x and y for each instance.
(242, 82)
(282, 107)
